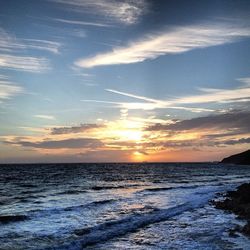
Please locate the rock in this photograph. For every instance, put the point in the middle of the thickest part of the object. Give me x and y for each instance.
(238, 202)
(233, 232)
(246, 229)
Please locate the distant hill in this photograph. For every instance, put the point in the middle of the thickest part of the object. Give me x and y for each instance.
(240, 159)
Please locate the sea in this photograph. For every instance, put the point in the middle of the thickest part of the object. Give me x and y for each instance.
(118, 206)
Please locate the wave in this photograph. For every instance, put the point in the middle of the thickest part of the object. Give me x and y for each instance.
(89, 205)
(94, 188)
(27, 185)
(97, 188)
(156, 189)
(213, 184)
(111, 229)
(71, 191)
(159, 189)
(52, 211)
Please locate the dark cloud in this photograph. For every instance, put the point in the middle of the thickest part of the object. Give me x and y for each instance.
(239, 141)
(75, 129)
(194, 143)
(222, 135)
(175, 144)
(67, 143)
(235, 120)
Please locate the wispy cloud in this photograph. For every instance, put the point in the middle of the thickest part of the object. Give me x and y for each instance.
(6, 41)
(219, 95)
(46, 45)
(175, 41)
(206, 95)
(82, 23)
(135, 96)
(13, 53)
(8, 89)
(148, 104)
(125, 11)
(47, 117)
(245, 80)
(156, 103)
(24, 63)
(9, 43)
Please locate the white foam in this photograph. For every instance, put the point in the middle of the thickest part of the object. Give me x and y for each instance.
(112, 229)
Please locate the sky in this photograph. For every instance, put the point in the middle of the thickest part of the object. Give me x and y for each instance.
(124, 81)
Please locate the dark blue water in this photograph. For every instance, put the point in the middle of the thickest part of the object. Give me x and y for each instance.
(117, 206)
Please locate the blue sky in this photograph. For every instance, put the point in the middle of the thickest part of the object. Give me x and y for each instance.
(109, 80)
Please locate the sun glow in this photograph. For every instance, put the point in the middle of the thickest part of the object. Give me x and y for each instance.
(123, 130)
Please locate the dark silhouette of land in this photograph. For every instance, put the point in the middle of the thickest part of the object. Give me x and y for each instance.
(238, 201)
(240, 159)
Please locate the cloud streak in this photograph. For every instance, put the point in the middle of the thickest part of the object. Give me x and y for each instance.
(46, 117)
(82, 23)
(6, 90)
(219, 95)
(45, 45)
(10, 43)
(12, 53)
(206, 95)
(175, 41)
(148, 104)
(24, 63)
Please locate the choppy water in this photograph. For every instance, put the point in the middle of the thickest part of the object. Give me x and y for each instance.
(117, 206)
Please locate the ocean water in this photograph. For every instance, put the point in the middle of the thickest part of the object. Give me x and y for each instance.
(118, 206)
